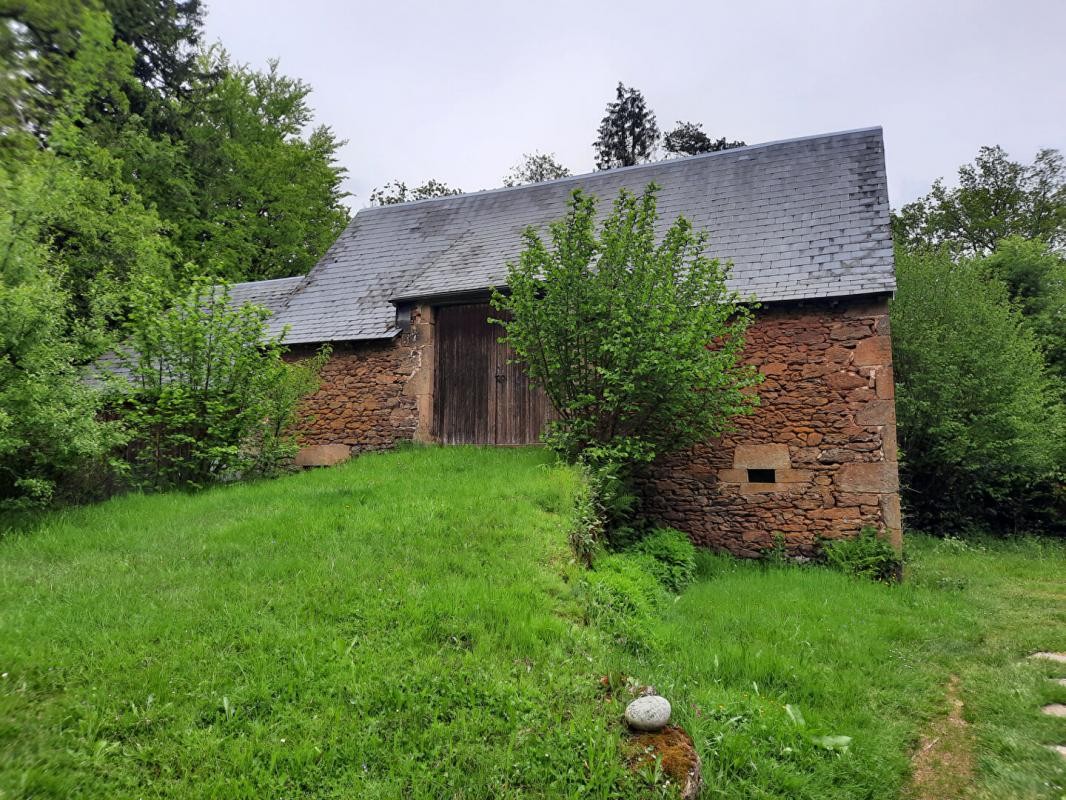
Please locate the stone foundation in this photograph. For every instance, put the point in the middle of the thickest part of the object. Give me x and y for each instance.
(826, 427)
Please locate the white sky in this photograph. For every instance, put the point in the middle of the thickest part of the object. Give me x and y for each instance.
(459, 90)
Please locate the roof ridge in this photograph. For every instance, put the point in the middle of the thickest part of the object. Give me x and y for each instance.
(733, 151)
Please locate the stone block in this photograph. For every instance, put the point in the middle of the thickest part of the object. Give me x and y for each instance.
(876, 412)
(846, 332)
(877, 476)
(793, 476)
(874, 351)
(761, 456)
(322, 455)
(890, 512)
(886, 384)
(888, 443)
(845, 380)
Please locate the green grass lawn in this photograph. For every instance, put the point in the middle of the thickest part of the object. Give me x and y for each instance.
(411, 625)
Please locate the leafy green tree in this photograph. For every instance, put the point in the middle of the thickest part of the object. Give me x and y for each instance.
(252, 198)
(536, 168)
(979, 420)
(1035, 277)
(50, 437)
(165, 35)
(83, 206)
(209, 396)
(395, 192)
(996, 198)
(628, 133)
(636, 340)
(688, 139)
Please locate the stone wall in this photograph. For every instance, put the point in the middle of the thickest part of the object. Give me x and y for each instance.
(370, 397)
(826, 426)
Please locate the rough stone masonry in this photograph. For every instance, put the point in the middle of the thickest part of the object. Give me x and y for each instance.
(826, 426)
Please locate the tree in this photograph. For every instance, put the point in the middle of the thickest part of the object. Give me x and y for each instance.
(51, 439)
(209, 396)
(996, 198)
(628, 133)
(688, 139)
(536, 168)
(1035, 277)
(252, 196)
(979, 421)
(165, 35)
(78, 199)
(637, 344)
(395, 192)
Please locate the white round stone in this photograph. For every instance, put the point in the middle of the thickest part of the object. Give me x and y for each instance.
(648, 713)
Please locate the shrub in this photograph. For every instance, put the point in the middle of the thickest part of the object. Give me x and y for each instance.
(673, 557)
(49, 431)
(622, 595)
(979, 420)
(635, 338)
(868, 555)
(209, 396)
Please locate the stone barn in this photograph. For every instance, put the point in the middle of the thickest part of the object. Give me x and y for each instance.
(402, 299)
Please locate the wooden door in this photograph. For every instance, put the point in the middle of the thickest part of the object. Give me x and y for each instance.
(479, 397)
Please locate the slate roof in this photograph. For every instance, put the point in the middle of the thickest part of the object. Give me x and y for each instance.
(800, 219)
(269, 294)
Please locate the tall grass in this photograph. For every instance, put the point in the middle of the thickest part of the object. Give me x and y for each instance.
(413, 625)
(398, 627)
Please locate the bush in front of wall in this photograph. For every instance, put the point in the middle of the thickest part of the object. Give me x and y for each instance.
(673, 557)
(867, 555)
(622, 596)
(209, 397)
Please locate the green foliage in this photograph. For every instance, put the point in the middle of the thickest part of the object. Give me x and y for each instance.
(49, 434)
(220, 158)
(867, 555)
(628, 133)
(536, 168)
(165, 35)
(209, 396)
(1035, 277)
(397, 192)
(249, 193)
(636, 344)
(996, 198)
(622, 595)
(688, 139)
(978, 417)
(674, 557)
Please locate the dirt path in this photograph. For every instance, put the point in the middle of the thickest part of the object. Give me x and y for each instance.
(943, 762)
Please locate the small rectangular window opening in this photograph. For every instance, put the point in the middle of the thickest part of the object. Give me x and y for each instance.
(762, 476)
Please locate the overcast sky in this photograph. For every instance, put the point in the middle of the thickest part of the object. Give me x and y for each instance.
(458, 91)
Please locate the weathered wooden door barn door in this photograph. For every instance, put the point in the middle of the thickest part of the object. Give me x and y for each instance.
(479, 398)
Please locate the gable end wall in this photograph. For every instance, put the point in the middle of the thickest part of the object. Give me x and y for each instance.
(826, 425)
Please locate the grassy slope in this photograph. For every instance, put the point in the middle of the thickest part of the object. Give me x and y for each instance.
(406, 626)
(396, 627)
(868, 661)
